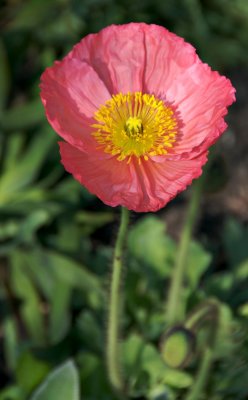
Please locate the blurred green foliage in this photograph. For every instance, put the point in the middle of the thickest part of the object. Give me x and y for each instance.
(55, 238)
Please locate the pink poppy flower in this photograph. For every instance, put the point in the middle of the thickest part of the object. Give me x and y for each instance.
(138, 111)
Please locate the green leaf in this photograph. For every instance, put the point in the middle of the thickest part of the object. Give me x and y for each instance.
(235, 238)
(49, 267)
(220, 285)
(43, 276)
(161, 392)
(10, 343)
(31, 224)
(56, 291)
(153, 365)
(70, 271)
(93, 375)
(13, 149)
(23, 116)
(26, 292)
(88, 364)
(8, 229)
(31, 14)
(198, 261)
(225, 344)
(66, 30)
(61, 384)
(149, 244)
(12, 393)
(146, 358)
(132, 351)
(90, 331)
(69, 237)
(26, 380)
(91, 221)
(177, 379)
(241, 273)
(56, 276)
(143, 365)
(59, 312)
(243, 310)
(25, 170)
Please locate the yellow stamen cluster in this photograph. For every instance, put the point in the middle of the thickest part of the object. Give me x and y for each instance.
(135, 124)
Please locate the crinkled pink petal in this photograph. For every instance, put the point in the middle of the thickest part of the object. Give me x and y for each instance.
(159, 183)
(109, 179)
(71, 92)
(149, 58)
(118, 55)
(167, 57)
(202, 109)
(130, 58)
(140, 187)
(176, 74)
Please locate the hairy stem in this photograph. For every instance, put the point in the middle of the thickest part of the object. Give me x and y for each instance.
(112, 349)
(202, 375)
(208, 315)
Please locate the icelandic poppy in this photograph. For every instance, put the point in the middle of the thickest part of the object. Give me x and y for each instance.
(138, 111)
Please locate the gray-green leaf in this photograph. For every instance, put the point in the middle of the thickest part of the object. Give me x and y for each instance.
(61, 384)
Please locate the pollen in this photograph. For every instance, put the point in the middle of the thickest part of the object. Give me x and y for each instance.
(136, 125)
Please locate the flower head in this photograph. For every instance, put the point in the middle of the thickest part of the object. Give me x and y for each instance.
(138, 111)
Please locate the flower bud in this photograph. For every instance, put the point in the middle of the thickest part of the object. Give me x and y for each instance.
(177, 347)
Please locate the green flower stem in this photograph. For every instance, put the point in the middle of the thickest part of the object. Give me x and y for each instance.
(202, 375)
(207, 311)
(207, 315)
(174, 310)
(112, 349)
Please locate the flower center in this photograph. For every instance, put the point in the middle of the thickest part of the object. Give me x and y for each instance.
(136, 125)
(133, 127)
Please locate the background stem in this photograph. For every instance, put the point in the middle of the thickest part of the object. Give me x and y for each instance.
(112, 350)
(202, 375)
(174, 309)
